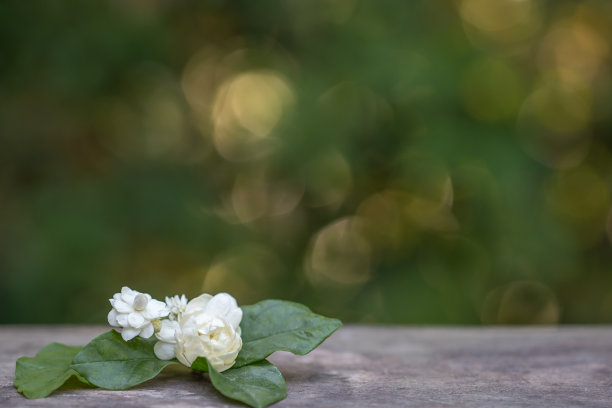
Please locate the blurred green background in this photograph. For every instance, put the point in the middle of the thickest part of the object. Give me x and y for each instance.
(434, 161)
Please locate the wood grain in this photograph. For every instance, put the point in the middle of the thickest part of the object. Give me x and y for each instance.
(370, 366)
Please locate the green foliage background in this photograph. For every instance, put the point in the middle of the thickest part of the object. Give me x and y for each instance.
(380, 161)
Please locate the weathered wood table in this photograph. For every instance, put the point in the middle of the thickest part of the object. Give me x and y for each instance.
(369, 366)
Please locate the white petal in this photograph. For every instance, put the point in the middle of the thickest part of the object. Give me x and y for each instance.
(112, 318)
(155, 310)
(222, 305)
(188, 325)
(163, 350)
(128, 294)
(234, 318)
(198, 303)
(230, 357)
(219, 365)
(183, 360)
(206, 323)
(136, 320)
(122, 307)
(168, 331)
(129, 334)
(147, 331)
(190, 354)
(122, 319)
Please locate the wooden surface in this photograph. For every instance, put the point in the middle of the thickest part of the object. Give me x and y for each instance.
(365, 366)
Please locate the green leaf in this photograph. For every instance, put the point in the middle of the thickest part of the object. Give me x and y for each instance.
(200, 364)
(37, 377)
(258, 385)
(110, 362)
(273, 325)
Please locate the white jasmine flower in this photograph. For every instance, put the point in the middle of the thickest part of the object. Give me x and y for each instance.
(164, 348)
(134, 312)
(209, 327)
(176, 305)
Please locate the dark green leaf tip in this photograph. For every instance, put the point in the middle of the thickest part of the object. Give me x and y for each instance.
(37, 377)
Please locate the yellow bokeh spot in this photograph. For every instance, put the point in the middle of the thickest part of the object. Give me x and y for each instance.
(500, 22)
(257, 100)
(554, 124)
(199, 81)
(257, 194)
(339, 255)
(521, 302)
(246, 109)
(560, 109)
(574, 52)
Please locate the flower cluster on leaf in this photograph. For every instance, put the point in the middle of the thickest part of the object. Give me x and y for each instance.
(208, 333)
(135, 313)
(207, 326)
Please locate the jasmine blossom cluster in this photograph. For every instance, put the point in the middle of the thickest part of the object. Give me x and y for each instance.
(134, 313)
(176, 306)
(207, 326)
